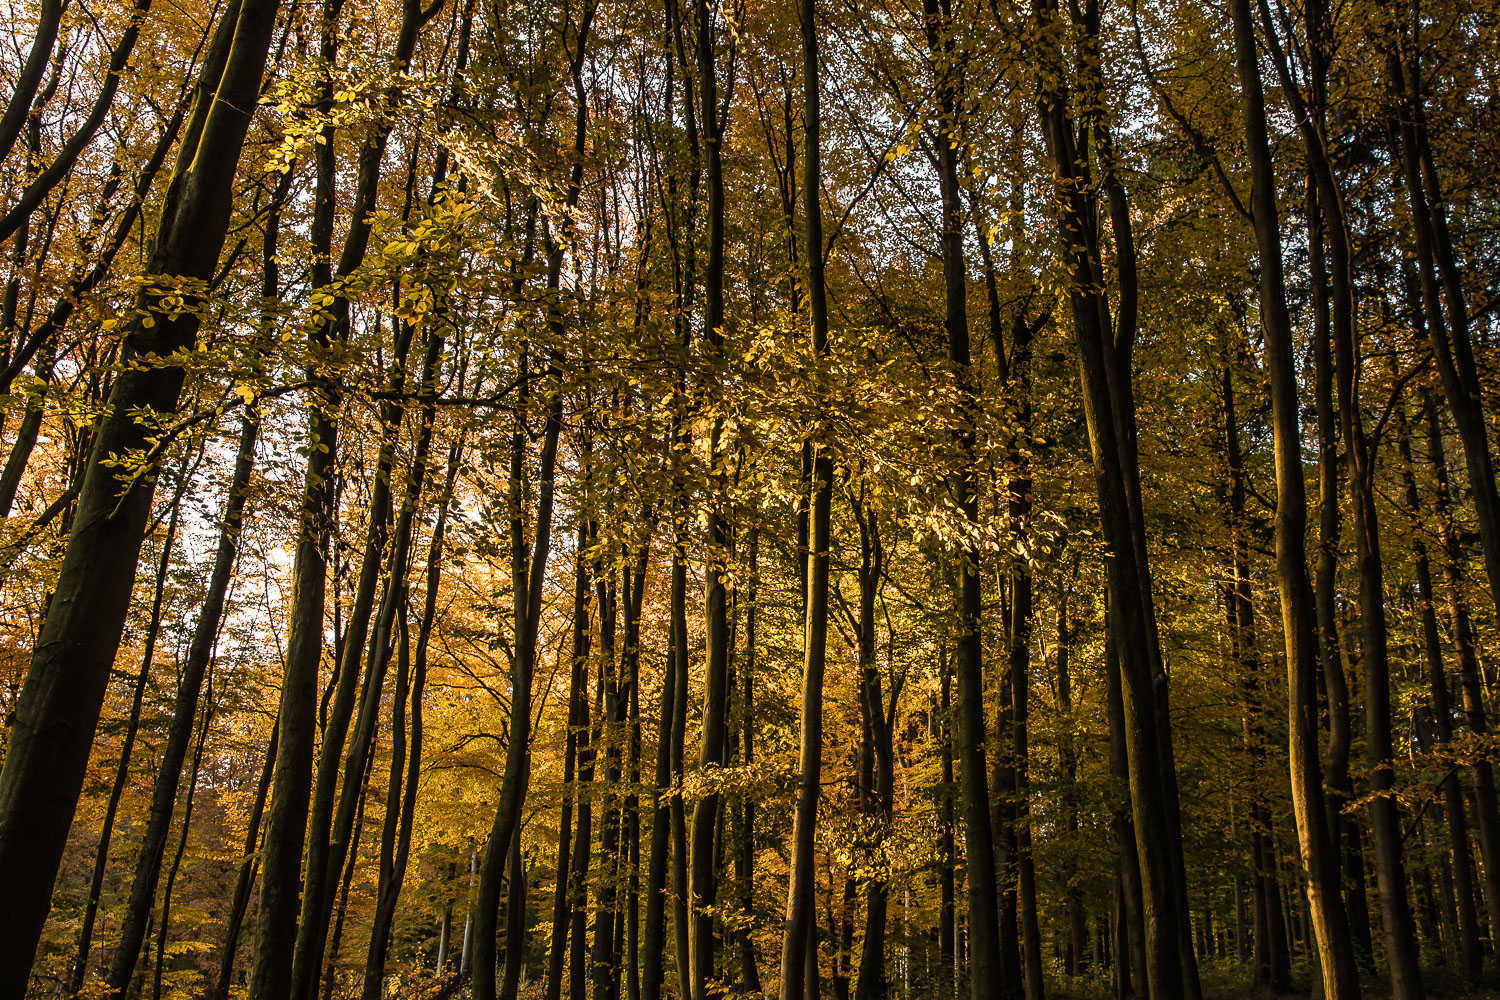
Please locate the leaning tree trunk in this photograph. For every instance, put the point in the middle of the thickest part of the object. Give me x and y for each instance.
(1486, 799)
(179, 736)
(63, 695)
(127, 748)
(1325, 903)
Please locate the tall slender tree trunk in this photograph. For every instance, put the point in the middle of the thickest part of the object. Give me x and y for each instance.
(1487, 803)
(1325, 901)
(244, 882)
(1106, 343)
(577, 722)
(200, 653)
(799, 905)
(63, 694)
(703, 874)
(528, 573)
(1130, 921)
(983, 909)
(515, 920)
(878, 794)
(127, 747)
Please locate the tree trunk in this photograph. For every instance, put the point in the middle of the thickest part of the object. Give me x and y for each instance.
(1487, 802)
(983, 910)
(63, 694)
(1325, 902)
(127, 747)
(249, 863)
(528, 571)
(179, 736)
(577, 723)
(799, 904)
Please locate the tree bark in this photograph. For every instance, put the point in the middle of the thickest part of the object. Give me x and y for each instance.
(799, 904)
(983, 910)
(244, 882)
(1325, 902)
(63, 695)
(577, 723)
(127, 747)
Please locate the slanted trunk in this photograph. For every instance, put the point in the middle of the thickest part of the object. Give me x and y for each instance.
(1487, 808)
(63, 694)
(127, 748)
(244, 882)
(185, 710)
(1325, 901)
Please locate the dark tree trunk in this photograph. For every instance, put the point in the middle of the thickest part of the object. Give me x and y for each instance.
(1487, 803)
(515, 920)
(245, 881)
(127, 748)
(703, 875)
(799, 904)
(985, 974)
(577, 724)
(63, 694)
(1325, 902)
(1105, 345)
(878, 795)
(1130, 952)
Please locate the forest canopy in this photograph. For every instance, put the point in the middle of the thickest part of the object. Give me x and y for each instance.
(853, 499)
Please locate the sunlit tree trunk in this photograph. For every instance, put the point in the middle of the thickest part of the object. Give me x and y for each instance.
(1325, 901)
